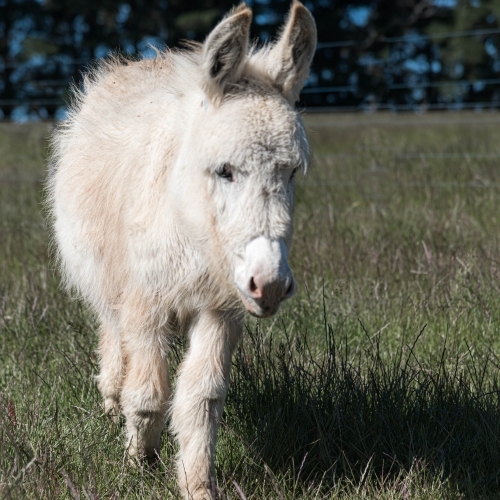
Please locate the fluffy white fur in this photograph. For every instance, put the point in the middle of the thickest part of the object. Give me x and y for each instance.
(169, 176)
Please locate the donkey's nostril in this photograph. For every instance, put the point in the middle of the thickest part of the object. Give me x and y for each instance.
(290, 290)
(255, 288)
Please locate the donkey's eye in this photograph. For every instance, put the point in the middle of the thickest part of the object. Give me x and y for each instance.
(293, 173)
(225, 172)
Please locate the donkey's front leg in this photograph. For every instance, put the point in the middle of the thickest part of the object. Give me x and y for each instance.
(199, 400)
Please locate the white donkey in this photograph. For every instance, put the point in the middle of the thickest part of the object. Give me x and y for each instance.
(171, 198)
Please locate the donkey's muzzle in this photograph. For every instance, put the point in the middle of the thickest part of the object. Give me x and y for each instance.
(265, 278)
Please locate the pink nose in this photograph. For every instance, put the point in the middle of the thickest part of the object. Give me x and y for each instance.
(259, 288)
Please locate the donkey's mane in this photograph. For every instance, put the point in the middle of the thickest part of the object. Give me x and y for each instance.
(180, 70)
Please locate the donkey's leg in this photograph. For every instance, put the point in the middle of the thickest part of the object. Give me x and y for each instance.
(199, 400)
(145, 387)
(110, 374)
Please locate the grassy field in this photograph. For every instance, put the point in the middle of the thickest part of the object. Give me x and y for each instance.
(378, 380)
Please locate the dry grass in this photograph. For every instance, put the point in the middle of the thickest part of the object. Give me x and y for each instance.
(379, 380)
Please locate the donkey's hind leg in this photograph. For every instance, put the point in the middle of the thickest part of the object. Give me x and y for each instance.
(110, 375)
(145, 388)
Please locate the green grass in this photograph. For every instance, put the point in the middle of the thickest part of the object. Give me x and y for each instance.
(378, 380)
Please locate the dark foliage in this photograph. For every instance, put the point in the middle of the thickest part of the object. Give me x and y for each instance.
(371, 54)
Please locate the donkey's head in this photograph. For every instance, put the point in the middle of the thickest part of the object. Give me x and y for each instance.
(244, 146)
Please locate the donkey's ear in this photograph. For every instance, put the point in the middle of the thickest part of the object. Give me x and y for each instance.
(289, 60)
(224, 51)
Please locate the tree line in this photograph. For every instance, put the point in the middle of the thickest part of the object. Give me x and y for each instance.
(378, 53)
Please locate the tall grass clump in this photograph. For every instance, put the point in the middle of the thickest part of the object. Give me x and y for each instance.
(378, 380)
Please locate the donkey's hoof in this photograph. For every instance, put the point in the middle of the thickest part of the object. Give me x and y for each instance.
(112, 409)
(136, 459)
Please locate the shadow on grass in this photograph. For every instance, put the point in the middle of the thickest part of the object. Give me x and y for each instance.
(328, 418)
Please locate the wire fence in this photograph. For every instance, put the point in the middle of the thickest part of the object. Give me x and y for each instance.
(402, 86)
(412, 38)
(54, 88)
